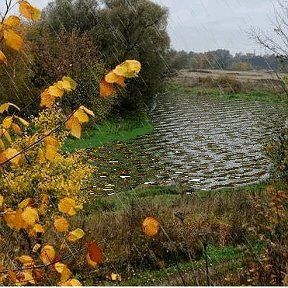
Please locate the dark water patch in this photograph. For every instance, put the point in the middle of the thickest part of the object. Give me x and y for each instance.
(210, 143)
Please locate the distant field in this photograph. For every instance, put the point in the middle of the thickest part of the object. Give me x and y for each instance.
(259, 76)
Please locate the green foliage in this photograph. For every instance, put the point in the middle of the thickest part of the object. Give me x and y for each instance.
(120, 30)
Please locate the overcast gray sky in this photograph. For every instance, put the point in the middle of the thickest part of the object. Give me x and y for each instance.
(202, 25)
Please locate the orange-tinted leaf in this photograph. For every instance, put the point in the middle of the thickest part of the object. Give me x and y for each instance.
(67, 206)
(4, 60)
(150, 226)
(13, 40)
(94, 252)
(106, 89)
(14, 220)
(74, 126)
(47, 100)
(12, 21)
(61, 224)
(28, 11)
(25, 260)
(16, 128)
(75, 235)
(38, 274)
(47, 254)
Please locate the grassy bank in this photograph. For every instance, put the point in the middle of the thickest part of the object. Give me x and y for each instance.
(120, 129)
(188, 221)
(227, 91)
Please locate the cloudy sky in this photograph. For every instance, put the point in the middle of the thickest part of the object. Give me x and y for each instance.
(202, 25)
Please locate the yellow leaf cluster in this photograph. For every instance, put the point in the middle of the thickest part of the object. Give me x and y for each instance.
(21, 218)
(63, 270)
(28, 11)
(57, 90)
(68, 206)
(80, 116)
(127, 69)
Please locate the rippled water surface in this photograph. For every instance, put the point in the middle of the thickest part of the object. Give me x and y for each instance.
(210, 143)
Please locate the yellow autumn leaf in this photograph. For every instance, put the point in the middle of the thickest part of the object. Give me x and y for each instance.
(51, 140)
(128, 69)
(47, 100)
(71, 282)
(30, 215)
(74, 126)
(4, 60)
(16, 128)
(22, 121)
(81, 116)
(50, 152)
(7, 135)
(2, 146)
(47, 254)
(111, 77)
(12, 21)
(13, 40)
(115, 277)
(150, 226)
(56, 90)
(7, 122)
(67, 206)
(87, 111)
(36, 230)
(25, 260)
(62, 269)
(14, 220)
(25, 203)
(61, 224)
(90, 262)
(68, 84)
(1, 200)
(28, 11)
(75, 235)
(11, 153)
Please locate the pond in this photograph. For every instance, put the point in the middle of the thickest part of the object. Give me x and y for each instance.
(210, 143)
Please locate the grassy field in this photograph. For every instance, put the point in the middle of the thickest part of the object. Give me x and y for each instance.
(109, 131)
(231, 86)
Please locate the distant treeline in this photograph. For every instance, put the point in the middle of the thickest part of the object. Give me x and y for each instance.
(222, 59)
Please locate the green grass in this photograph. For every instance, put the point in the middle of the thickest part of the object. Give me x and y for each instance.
(216, 255)
(121, 129)
(263, 94)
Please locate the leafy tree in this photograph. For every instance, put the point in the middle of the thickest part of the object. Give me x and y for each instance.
(121, 30)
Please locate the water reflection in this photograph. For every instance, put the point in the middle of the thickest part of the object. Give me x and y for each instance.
(210, 143)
